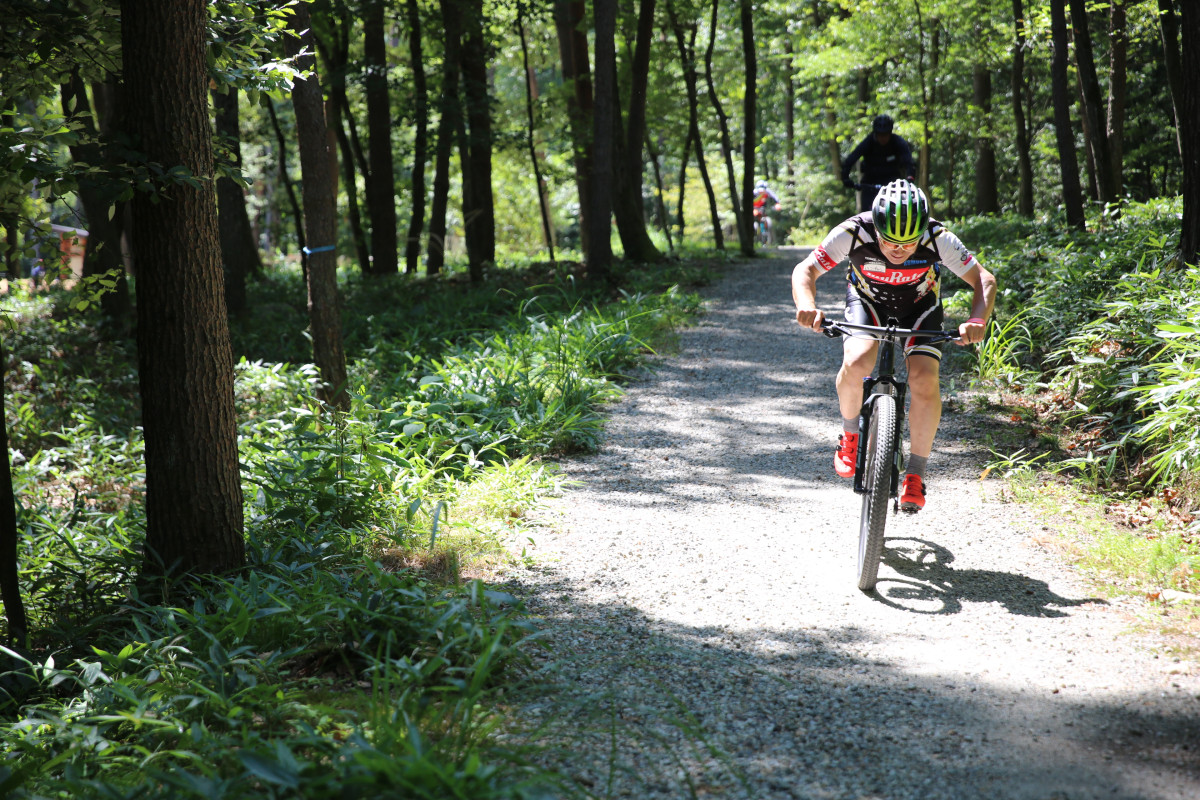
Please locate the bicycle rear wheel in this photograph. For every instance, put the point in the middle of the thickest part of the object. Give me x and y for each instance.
(881, 447)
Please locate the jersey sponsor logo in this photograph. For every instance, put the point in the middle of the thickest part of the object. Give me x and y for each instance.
(900, 277)
(823, 259)
(874, 266)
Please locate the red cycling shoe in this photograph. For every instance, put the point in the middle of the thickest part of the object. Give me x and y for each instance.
(912, 493)
(845, 455)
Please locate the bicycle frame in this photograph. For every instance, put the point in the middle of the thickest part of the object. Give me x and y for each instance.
(882, 381)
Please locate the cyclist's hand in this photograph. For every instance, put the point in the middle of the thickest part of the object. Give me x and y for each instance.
(809, 318)
(972, 331)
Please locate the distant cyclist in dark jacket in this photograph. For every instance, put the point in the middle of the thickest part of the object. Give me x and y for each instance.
(886, 157)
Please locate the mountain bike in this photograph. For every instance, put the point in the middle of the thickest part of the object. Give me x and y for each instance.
(880, 459)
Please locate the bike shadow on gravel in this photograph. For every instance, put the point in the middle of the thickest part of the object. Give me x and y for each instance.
(929, 585)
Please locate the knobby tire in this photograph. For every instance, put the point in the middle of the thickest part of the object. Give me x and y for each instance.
(881, 447)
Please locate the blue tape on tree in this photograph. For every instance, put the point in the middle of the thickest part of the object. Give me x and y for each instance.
(308, 251)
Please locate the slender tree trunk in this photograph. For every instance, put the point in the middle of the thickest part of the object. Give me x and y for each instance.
(664, 222)
(687, 57)
(987, 200)
(194, 517)
(684, 158)
(744, 239)
(1093, 108)
(281, 143)
(1189, 241)
(1024, 158)
(479, 218)
(416, 222)
(448, 125)
(1059, 81)
(381, 188)
(1168, 27)
(320, 218)
(573, 52)
(530, 84)
(105, 215)
(1118, 36)
(599, 256)
(789, 112)
(926, 98)
(239, 250)
(1089, 154)
(749, 126)
(627, 202)
(336, 55)
(10, 537)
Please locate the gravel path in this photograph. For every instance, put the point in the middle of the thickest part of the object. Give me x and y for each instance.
(707, 639)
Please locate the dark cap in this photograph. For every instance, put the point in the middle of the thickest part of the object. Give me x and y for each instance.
(882, 124)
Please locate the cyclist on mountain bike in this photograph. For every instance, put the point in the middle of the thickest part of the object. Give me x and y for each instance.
(896, 253)
(764, 201)
(885, 156)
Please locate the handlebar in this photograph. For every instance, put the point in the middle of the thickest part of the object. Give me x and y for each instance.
(832, 328)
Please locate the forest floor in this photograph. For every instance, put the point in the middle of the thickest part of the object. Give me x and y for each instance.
(705, 636)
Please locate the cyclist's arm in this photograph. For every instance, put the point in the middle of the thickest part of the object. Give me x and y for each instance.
(983, 285)
(804, 293)
(854, 156)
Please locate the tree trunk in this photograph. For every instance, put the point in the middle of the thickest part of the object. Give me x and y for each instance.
(105, 214)
(664, 221)
(1168, 26)
(573, 52)
(448, 126)
(987, 200)
(1024, 157)
(320, 217)
(1118, 36)
(336, 55)
(1189, 241)
(684, 158)
(381, 185)
(1068, 163)
(599, 256)
(534, 161)
(749, 125)
(194, 517)
(789, 113)
(1093, 109)
(627, 203)
(687, 58)
(744, 239)
(416, 222)
(239, 250)
(10, 583)
(479, 211)
(284, 178)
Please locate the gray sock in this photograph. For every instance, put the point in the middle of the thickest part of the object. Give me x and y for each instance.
(916, 466)
(850, 424)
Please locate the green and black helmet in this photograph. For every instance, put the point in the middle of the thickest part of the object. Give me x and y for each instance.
(900, 212)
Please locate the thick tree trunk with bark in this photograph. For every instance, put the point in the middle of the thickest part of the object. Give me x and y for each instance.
(1093, 109)
(381, 186)
(1190, 61)
(448, 126)
(239, 250)
(987, 200)
(573, 52)
(320, 217)
(599, 255)
(10, 584)
(416, 222)
(185, 364)
(1020, 125)
(1068, 162)
(627, 203)
(749, 125)
(479, 213)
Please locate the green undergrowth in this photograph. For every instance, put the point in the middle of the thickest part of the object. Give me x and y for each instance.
(1094, 355)
(358, 654)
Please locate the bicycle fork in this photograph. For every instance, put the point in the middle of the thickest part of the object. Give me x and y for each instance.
(872, 390)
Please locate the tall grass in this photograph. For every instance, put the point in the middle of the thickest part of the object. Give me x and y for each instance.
(349, 659)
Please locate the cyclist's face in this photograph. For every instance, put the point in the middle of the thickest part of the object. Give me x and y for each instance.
(897, 253)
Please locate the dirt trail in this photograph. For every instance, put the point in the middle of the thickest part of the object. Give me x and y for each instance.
(708, 639)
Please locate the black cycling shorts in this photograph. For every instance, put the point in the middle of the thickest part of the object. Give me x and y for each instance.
(925, 315)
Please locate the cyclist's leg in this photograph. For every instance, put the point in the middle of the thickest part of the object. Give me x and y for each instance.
(924, 381)
(858, 356)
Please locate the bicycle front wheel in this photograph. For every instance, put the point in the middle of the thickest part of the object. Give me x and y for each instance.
(881, 448)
